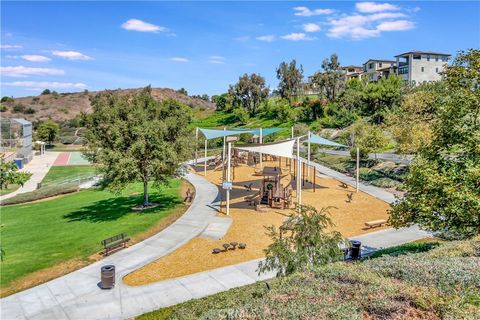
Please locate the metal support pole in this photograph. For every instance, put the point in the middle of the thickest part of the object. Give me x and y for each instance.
(358, 167)
(299, 169)
(303, 173)
(196, 146)
(223, 155)
(228, 176)
(205, 160)
(308, 155)
(292, 132)
(261, 155)
(314, 177)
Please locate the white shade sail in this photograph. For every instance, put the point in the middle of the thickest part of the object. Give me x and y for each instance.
(280, 149)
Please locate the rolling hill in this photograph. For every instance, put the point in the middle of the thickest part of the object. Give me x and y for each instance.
(64, 106)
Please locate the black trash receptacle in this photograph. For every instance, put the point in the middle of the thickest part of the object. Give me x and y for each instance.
(108, 276)
(355, 252)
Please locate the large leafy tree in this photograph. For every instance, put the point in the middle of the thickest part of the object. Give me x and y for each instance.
(302, 242)
(9, 174)
(381, 97)
(137, 138)
(443, 184)
(249, 92)
(290, 79)
(329, 79)
(47, 131)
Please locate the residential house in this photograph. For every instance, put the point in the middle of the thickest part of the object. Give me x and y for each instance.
(416, 67)
(374, 70)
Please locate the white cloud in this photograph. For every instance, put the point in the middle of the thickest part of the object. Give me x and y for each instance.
(398, 25)
(267, 38)
(35, 58)
(142, 26)
(10, 46)
(179, 59)
(71, 55)
(370, 7)
(306, 12)
(216, 59)
(21, 71)
(311, 27)
(358, 26)
(385, 15)
(297, 36)
(44, 84)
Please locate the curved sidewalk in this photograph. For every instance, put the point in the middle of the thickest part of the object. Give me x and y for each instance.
(77, 296)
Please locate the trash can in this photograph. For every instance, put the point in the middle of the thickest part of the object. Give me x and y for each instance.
(108, 276)
(355, 252)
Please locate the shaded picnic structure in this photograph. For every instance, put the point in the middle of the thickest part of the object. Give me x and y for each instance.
(272, 193)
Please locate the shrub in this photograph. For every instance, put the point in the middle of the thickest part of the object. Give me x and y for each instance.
(29, 111)
(68, 139)
(19, 108)
(41, 193)
(35, 100)
(3, 108)
(6, 99)
(46, 91)
(386, 183)
(362, 153)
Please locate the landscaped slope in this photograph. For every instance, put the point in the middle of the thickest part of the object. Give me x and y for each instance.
(64, 106)
(442, 283)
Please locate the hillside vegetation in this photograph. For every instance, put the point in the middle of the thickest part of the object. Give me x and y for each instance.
(65, 106)
(442, 283)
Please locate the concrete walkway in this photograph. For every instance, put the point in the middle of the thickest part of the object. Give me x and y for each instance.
(403, 159)
(38, 167)
(77, 295)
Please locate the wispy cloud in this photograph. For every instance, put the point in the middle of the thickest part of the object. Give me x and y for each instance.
(142, 26)
(22, 72)
(311, 27)
(45, 84)
(10, 46)
(71, 55)
(217, 59)
(35, 58)
(300, 36)
(179, 59)
(306, 12)
(266, 38)
(398, 25)
(369, 7)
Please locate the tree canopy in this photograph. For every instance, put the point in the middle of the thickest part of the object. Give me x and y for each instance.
(443, 183)
(47, 131)
(134, 137)
(249, 92)
(9, 174)
(290, 79)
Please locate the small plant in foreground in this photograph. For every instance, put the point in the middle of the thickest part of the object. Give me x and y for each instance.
(302, 242)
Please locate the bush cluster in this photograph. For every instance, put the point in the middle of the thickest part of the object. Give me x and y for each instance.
(42, 193)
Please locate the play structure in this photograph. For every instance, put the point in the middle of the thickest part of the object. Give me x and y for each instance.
(272, 192)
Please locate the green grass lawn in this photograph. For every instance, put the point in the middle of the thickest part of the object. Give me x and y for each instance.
(63, 147)
(40, 235)
(68, 173)
(10, 188)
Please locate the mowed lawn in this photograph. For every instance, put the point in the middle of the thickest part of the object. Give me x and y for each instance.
(39, 235)
(68, 173)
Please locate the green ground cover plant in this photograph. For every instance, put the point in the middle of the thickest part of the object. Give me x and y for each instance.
(439, 283)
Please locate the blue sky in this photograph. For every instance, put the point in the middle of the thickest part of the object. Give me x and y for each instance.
(205, 46)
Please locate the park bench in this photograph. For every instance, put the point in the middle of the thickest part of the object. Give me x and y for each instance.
(114, 242)
(375, 223)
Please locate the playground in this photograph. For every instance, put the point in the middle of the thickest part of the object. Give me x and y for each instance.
(263, 193)
(70, 158)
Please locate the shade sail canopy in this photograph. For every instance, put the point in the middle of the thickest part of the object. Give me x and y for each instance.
(265, 131)
(215, 133)
(280, 149)
(313, 138)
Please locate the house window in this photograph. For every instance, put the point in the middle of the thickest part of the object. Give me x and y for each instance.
(417, 57)
(379, 64)
(436, 70)
(436, 58)
(428, 58)
(372, 65)
(423, 69)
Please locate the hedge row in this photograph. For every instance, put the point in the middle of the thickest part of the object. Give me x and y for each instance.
(42, 193)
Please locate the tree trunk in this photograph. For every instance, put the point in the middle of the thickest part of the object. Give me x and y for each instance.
(145, 192)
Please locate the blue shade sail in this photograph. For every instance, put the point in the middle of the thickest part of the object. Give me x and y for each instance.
(313, 138)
